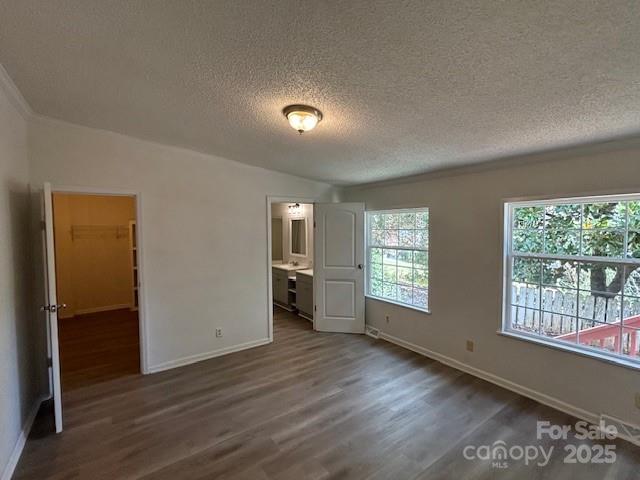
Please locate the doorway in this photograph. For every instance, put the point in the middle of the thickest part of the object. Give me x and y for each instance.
(96, 270)
(291, 240)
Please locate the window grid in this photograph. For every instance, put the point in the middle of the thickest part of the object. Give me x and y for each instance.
(625, 261)
(387, 279)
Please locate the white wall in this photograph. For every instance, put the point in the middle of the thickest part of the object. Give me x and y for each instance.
(203, 232)
(282, 210)
(466, 278)
(19, 387)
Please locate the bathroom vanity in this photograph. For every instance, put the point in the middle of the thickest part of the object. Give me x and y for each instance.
(293, 288)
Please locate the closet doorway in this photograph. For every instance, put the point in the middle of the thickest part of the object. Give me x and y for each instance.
(96, 270)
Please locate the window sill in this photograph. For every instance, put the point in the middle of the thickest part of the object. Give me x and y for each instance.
(582, 351)
(403, 305)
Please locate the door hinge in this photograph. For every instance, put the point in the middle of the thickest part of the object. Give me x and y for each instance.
(49, 362)
(43, 225)
(315, 308)
(314, 224)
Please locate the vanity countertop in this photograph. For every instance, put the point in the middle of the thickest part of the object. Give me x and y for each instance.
(288, 267)
(306, 271)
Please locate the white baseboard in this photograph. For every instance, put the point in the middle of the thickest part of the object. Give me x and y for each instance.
(106, 308)
(180, 362)
(501, 382)
(11, 465)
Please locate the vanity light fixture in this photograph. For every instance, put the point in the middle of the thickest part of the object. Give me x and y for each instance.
(302, 117)
(295, 210)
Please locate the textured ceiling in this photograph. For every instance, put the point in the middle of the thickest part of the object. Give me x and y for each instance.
(405, 86)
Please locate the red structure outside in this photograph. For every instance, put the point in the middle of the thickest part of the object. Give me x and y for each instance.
(608, 336)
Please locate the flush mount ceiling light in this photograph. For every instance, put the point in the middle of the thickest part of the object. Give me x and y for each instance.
(302, 117)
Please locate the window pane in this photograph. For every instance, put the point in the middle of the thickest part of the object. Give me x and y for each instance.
(604, 215)
(525, 295)
(422, 220)
(603, 243)
(563, 217)
(632, 311)
(421, 239)
(601, 277)
(405, 294)
(404, 258)
(408, 220)
(633, 248)
(375, 287)
(631, 342)
(420, 278)
(391, 238)
(389, 290)
(406, 238)
(526, 270)
(560, 273)
(527, 241)
(420, 297)
(420, 259)
(389, 256)
(376, 255)
(634, 215)
(391, 221)
(528, 217)
(376, 270)
(376, 221)
(377, 237)
(559, 326)
(599, 335)
(389, 273)
(562, 242)
(632, 285)
(599, 307)
(560, 300)
(405, 276)
(525, 319)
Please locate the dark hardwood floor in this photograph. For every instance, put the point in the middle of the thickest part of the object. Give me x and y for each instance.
(98, 347)
(309, 406)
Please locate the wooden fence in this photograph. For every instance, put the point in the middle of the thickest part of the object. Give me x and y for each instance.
(559, 309)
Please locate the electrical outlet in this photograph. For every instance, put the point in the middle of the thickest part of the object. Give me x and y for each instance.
(218, 332)
(638, 400)
(469, 345)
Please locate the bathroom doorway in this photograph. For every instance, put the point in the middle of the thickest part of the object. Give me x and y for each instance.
(291, 247)
(95, 245)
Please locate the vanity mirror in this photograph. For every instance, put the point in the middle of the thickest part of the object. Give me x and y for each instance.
(298, 236)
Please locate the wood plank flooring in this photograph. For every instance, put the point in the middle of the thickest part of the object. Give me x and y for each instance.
(309, 406)
(98, 347)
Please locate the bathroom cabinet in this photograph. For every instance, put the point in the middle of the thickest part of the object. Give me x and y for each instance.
(304, 293)
(280, 281)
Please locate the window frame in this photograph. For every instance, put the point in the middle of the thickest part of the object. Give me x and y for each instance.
(509, 205)
(368, 246)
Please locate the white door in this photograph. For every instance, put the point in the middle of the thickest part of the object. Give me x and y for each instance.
(338, 269)
(51, 307)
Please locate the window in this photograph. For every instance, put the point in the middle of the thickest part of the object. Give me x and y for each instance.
(398, 259)
(572, 272)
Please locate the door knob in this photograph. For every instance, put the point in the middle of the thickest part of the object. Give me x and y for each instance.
(359, 266)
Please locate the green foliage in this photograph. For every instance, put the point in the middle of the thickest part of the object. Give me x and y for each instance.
(603, 228)
(604, 215)
(528, 218)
